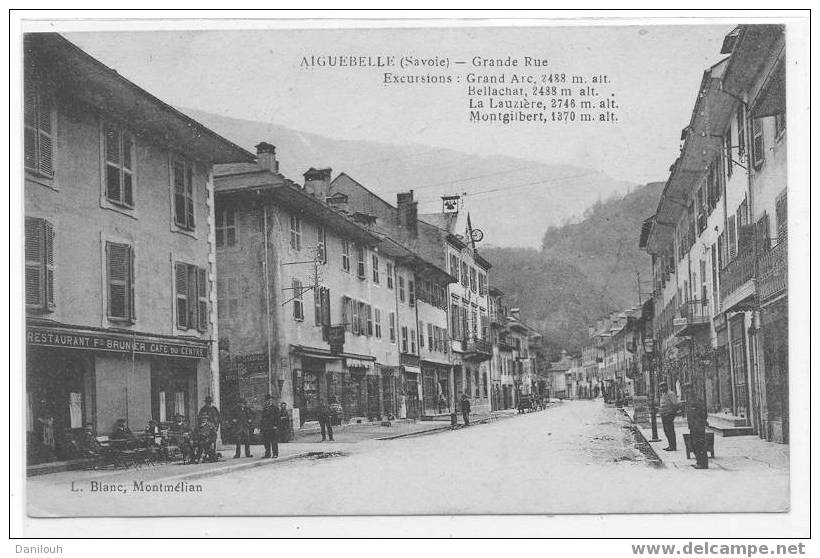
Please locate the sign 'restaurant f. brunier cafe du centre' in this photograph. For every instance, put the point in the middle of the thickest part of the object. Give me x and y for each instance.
(114, 342)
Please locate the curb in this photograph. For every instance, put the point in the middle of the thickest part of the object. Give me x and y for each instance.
(229, 468)
(643, 446)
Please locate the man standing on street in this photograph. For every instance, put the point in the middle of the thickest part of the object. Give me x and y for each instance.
(465, 409)
(269, 425)
(325, 420)
(669, 410)
(210, 411)
(285, 429)
(696, 417)
(243, 429)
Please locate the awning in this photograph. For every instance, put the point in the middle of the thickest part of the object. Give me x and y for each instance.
(412, 369)
(358, 363)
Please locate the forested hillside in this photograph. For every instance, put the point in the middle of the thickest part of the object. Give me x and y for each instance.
(582, 271)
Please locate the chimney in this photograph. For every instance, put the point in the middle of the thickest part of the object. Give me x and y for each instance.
(408, 211)
(317, 182)
(266, 157)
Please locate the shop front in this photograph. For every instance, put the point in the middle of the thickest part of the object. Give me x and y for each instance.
(78, 376)
(435, 388)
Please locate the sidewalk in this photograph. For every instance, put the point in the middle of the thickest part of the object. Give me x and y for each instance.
(307, 445)
(734, 453)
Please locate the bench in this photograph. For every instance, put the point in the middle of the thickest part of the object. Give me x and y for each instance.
(710, 444)
(127, 453)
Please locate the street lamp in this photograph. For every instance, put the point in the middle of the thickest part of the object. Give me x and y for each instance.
(649, 349)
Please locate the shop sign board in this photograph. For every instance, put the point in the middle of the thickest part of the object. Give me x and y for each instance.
(97, 341)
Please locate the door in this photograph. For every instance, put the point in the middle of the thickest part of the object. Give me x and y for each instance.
(739, 368)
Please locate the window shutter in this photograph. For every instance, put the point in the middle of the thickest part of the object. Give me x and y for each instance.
(34, 258)
(317, 306)
(763, 239)
(781, 208)
(179, 193)
(119, 277)
(355, 306)
(45, 136)
(48, 233)
(127, 178)
(326, 320)
(30, 132)
(182, 295)
(202, 285)
(189, 198)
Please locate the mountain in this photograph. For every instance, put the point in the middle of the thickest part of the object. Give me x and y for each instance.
(582, 271)
(512, 200)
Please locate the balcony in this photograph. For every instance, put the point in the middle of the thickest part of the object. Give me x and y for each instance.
(409, 359)
(773, 272)
(693, 316)
(505, 346)
(737, 280)
(476, 349)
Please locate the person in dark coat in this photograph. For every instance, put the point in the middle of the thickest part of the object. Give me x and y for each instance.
(204, 441)
(243, 429)
(211, 412)
(669, 407)
(465, 409)
(325, 417)
(696, 418)
(284, 423)
(269, 425)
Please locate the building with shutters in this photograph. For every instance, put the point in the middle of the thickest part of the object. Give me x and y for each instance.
(119, 261)
(427, 370)
(718, 242)
(299, 267)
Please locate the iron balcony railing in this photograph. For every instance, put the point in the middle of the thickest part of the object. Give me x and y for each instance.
(736, 274)
(695, 311)
(476, 345)
(773, 271)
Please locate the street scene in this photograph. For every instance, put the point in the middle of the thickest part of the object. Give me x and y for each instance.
(553, 291)
(485, 468)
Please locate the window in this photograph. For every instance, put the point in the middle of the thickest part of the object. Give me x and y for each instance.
(226, 227)
(404, 346)
(389, 275)
(392, 324)
(465, 279)
(482, 284)
(474, 322)
(355, 317)
(321, 307)
(191, 296)
(39, 249)
(402, 294)
(345, 256)
(119, 168)
(413, 341)
(375, 260)
(298, 301)
(430, 342)
(361, 264)
(473, 281)
(421, 335)
(731, 239)
(295, 232)
(227, 295)
(369, 319)
(183, 194)
(321, 244)
(120, 267)
(411, 292)
(741, 132)
(758, 155)
(454, 266)
(455, 331)
(38, 133)
(377, 319)
(347, 313)
(465, 325)
(779, 125)
(727, 144)
(762, 233)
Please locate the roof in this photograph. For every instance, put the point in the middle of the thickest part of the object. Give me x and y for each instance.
(444, 221)
(703, 140)
(236, 168)
(273, 187)
(49, 56)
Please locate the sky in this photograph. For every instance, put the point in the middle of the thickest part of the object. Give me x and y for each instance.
(655, 72)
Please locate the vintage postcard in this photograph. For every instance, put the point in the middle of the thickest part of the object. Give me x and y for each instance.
(408, 267)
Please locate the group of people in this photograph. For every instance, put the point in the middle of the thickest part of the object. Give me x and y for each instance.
(273, 423)
(670, 407)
